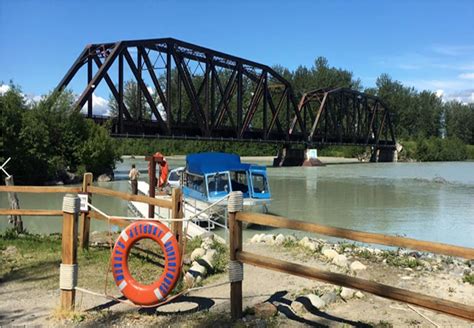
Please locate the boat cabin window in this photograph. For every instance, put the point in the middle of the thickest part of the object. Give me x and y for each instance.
(239, 181)
(259, 183)
(174, 176)
(218, 183)
(196, 182)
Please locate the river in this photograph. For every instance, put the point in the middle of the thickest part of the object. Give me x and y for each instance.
(429, 201)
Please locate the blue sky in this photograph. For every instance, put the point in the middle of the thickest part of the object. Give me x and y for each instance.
(425, 44)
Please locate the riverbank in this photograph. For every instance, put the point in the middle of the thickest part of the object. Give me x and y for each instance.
(29, 277)
(262, 160)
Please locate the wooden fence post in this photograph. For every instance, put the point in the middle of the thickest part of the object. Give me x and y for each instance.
(68, 269)
(152, 184)
(15, 205)
(236, 275)
(177, 213)
(85, 224)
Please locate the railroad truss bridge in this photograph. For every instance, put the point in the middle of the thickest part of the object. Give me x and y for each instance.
(185, 91)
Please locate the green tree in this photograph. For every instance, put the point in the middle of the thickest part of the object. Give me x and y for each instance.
(134, 100)
(459, 121)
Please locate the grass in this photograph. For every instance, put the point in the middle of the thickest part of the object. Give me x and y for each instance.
(33, 256)
(469, 278)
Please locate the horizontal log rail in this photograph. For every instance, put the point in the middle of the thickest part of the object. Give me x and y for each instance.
(453, 308)
(7, 211)
(367, 237)
(40, 189)
(125, 196)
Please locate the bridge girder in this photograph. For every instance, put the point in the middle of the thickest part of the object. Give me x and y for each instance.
(202, 93)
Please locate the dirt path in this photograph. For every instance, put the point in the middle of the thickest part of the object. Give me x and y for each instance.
(27, 301)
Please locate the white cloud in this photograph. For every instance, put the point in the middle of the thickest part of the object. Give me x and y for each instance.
(436, 84)
(467, 76)
(453, 50)
(100, 106)
(4, 88)
(161, 110)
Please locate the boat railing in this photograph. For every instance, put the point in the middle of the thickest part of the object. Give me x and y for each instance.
(214, 214)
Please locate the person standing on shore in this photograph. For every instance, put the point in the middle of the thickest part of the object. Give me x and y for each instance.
(133, 175)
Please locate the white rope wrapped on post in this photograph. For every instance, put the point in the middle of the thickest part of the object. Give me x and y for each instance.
(68, 276)
(71, 204)
(236, 202)
(236, 271)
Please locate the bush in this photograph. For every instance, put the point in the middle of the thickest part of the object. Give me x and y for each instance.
(181, 147)
(436, 149)
(49, 137)
(470, 152)
(342, 151)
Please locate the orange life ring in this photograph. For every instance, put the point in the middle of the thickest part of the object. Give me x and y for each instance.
(133, 290)
(163, 169)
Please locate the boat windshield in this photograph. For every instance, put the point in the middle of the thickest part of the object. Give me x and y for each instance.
(239, 181)
(259, 183)
(218, 183)
(196, 182)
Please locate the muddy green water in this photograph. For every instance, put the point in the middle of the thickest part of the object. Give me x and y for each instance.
(429, 201)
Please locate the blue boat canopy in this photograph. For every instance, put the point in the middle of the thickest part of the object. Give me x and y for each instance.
(212, 162)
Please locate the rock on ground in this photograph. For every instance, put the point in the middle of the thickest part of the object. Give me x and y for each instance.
(298, 307)
(357, 266)
(104, 178)
(359, 294)
(347, 293)
(330, 253)
(268, 239)
(265, 310)
(280, 239)
(197, 253)
(316, 301)
(329, 298)
(340, 260)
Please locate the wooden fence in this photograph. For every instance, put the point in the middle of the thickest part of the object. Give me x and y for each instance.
(240, 257)
(70, 233)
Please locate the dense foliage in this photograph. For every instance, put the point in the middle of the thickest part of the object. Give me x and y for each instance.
(47, 139)
(180, 147)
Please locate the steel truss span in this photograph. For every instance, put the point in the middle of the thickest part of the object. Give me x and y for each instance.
(192, 92)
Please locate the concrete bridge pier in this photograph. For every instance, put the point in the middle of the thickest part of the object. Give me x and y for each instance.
(384, 155)
(296, 157)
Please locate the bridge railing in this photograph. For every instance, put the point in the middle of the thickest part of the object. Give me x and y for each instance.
(238, 257)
